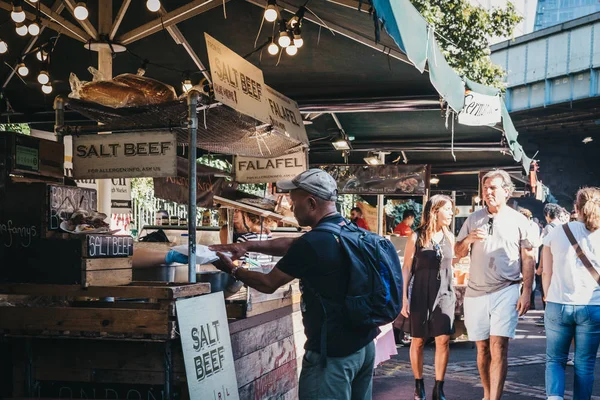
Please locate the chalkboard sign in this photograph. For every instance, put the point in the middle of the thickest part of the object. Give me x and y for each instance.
(64, 200)
(107, 246)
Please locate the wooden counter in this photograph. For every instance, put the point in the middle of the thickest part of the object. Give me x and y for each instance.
(62, 347)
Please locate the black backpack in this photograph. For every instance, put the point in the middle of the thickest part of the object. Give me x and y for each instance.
(374, 295)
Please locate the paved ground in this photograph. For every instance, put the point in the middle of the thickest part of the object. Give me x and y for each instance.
(394, 380)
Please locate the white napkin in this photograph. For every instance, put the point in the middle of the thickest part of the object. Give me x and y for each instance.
(203, 254)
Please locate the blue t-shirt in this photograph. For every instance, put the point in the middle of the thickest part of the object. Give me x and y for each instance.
(318, 260)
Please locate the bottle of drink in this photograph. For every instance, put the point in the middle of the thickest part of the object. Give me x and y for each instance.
(206, 218)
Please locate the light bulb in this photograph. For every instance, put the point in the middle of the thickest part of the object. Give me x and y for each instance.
(47, 89)
(21, 30)
(291, 50)
(153, 5)
(33, 1)
(187, 86)
(81, 11)
(17, 14)
(34, 29)
(22, 69)
(270, 13)
(284, 39)
(273, 49)
(41, 55)
(298, 42)
(3, 47)
(43, 77)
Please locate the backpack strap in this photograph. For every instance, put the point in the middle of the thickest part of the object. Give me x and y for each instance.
(579, 251)
(330, 227)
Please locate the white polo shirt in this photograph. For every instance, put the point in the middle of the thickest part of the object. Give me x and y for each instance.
(571, 282)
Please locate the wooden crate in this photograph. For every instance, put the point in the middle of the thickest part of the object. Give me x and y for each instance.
(150, 316)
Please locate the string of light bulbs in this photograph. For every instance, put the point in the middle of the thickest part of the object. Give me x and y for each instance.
(42, 53)
(290, 33)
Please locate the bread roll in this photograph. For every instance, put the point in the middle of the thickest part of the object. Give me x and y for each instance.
(112, 94)
(155, 92)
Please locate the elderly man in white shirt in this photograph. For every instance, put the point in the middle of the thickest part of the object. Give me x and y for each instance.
(501, 258)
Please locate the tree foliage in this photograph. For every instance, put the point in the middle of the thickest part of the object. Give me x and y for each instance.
(19, 128)
(463, 32)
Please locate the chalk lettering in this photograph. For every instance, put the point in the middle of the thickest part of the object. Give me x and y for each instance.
(24, 233)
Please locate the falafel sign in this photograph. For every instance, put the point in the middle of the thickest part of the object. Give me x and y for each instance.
(206, 345)
(125, 155)
(408, 180)
(266, 170)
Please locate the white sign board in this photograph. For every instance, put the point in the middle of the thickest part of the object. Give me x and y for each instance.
(125, 155)
(206, 346)
(237, 83)
(267, 170)
(480, 109)
(120, 196)
(285, 115)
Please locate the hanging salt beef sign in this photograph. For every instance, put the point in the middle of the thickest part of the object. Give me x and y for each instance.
(237, 83)
(266, 170)
(480, 109)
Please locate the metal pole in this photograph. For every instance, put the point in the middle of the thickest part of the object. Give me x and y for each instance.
(193, 129)
(453, 227)
(59, 122)
(380, 202)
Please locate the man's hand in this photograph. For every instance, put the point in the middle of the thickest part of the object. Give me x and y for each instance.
(524, 302)
(237, 250)
(477, 235)
(224, 263)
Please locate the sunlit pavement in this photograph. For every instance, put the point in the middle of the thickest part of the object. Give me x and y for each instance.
(394, 380)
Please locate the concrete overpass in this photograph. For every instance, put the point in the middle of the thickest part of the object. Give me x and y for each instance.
(553, 90)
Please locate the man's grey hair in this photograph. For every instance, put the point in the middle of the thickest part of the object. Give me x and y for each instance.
(506, 179)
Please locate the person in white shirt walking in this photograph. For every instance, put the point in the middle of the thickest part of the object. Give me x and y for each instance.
(501, 258)
(571, 258)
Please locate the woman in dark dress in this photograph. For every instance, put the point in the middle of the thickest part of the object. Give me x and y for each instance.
(429, 304)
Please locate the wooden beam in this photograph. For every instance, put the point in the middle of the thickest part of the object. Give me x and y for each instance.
(119, 19)
(55, 26)
(178, 37)
(176, 16)
(351, 31)
(85, 24)
(55, 18)
(57, 7)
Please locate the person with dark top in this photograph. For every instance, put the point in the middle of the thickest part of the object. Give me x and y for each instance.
(404, 227)
(429, 305)
(317, 259)
(356, 216)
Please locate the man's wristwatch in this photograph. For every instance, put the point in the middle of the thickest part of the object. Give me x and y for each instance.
(234, 270)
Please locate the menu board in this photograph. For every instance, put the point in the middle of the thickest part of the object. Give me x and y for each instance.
(380, 179)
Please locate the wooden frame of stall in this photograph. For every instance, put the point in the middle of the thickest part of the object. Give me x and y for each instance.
(79, 341)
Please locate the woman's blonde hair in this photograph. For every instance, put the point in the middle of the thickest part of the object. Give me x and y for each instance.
(588, 207)
(429, 219)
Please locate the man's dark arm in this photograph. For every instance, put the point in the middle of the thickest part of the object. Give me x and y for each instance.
(276, 247)
(265, 283)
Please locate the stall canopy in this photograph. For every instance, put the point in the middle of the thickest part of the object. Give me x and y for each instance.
(385, 93)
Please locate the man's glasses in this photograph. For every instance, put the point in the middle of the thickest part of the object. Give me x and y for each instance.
(490, 226)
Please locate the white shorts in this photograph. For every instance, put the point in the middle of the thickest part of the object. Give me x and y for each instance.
(493, 314)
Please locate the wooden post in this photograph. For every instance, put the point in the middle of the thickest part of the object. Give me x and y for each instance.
(105, 19)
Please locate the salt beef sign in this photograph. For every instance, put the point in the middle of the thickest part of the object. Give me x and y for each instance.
(124, 155)
(240, 85)
(237, 83)
(206, 345)
(266, 170)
